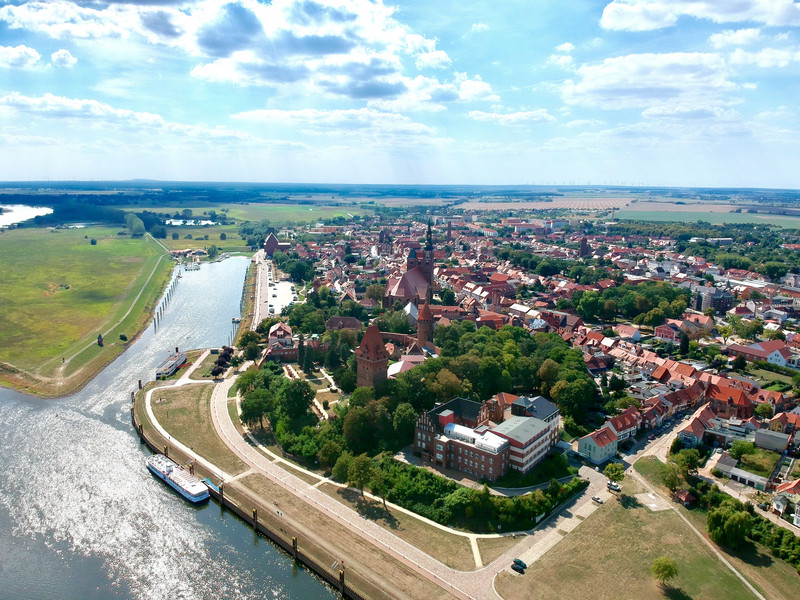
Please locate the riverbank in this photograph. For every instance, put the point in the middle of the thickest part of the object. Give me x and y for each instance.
(321, 541)
(61, 289)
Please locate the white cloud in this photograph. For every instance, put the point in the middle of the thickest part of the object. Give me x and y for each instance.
(475, 89)
(516, 118)
(584, 123)
(566, 47)
(739, 37)
(106, 117)
(18, 57)
(562, 61)
(438, 59)
(646, 15)
(313, 121)
(766, 57)
(63, 20)
(479, 27)
(645, 80)
(63, 58)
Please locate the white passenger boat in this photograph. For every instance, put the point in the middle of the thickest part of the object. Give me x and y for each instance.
(178, 478)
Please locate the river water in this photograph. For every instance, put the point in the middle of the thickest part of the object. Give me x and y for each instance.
(80, 515)
(19, 213)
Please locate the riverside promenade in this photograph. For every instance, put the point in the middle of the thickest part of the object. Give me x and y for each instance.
(304, 487)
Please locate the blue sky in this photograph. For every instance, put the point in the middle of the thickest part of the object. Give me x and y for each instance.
(652, 92)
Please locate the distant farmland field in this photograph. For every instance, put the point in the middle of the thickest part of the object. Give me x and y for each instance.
(560, 203)
(278, 214)
(709, 216)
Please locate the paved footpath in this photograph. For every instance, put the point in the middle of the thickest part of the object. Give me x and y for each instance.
(477, 584)
(465, 584)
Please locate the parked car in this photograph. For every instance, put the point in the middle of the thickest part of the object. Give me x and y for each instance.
(520, 563)
(518, 569)
(719, 450)
(597, 499)
(613, 485)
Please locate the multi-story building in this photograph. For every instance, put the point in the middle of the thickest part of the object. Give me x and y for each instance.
(460, 435)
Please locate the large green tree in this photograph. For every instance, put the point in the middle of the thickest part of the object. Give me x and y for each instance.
(360, 472)
(663, 569)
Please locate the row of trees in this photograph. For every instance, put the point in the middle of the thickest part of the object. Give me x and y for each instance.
(447, 502)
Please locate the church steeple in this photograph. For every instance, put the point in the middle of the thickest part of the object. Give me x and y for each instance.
(429, 237)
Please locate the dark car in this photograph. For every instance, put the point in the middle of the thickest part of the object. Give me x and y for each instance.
(518, 569)
(520, 563)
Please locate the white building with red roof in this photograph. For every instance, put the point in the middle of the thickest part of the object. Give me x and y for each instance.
(599, 446)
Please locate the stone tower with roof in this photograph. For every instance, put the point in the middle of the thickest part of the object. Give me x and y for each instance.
(424, 326)
(372, 359)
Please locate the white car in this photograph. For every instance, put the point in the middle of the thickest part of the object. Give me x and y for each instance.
(597, 499)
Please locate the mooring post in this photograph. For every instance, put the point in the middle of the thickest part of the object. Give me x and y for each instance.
(341, 581)
(133, 395)
(141, 433)
(255, 518)
(294, 547)
(140, 384)
(166, 451)
(221, 492)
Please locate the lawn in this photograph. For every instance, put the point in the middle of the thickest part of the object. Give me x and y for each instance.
(453, 550)
(492, 547)
(769, 376)
(761, 463)
(59, 291)
(186, 414)
(610, 554)
(775, 578)
(203, 370)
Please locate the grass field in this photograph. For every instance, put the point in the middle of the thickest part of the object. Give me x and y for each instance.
(278, 214)
(710, 217)
(769, 376)
(774, 578)
(761, 463)
(185, 413)
(59, 292)
(610, 554)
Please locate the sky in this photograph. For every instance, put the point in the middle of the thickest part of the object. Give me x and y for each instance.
(599, 92)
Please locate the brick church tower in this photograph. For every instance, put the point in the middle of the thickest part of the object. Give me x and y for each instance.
(424, 326)
(372, 359)
(426, 264)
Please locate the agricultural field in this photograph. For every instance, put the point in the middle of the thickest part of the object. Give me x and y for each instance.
(59, 292)
(685, 215)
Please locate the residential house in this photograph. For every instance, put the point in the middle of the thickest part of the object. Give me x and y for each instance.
(599, 446)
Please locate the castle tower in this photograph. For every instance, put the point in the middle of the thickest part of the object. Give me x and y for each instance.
(424, 326)
(372, 359)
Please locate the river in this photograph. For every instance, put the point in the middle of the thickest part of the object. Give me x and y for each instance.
(80, 515)
(18, 213)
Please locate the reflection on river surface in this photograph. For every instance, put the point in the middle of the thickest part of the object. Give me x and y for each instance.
(80, 515)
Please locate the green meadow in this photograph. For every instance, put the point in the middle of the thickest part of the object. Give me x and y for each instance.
(59, 291)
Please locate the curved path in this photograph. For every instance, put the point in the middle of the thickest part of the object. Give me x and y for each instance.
(477, 584)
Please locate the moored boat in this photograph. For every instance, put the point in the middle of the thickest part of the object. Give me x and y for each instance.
(178, 478)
